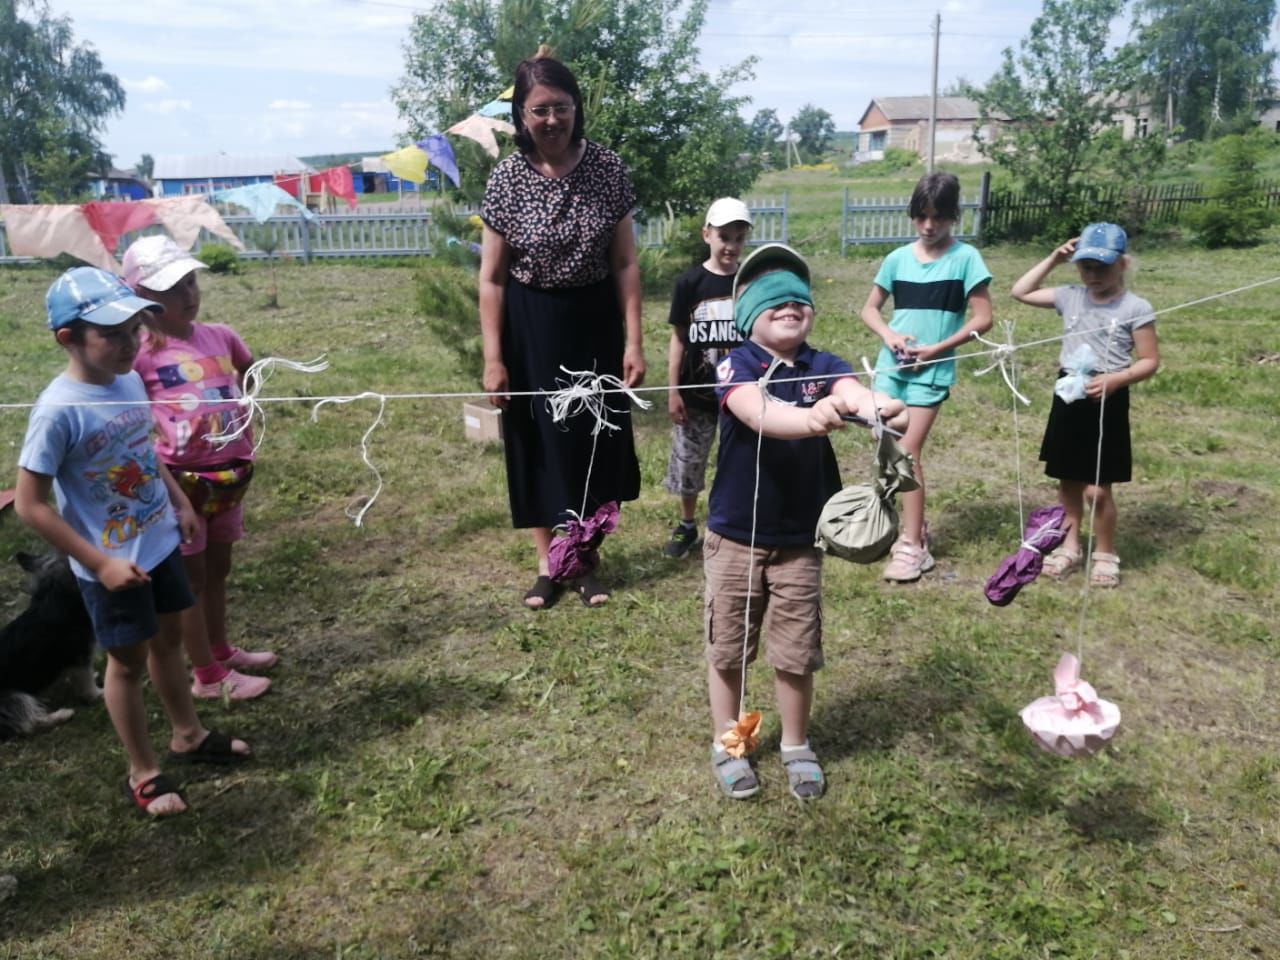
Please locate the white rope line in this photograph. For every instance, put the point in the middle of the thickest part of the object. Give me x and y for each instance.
(255, 378)
(585, 392)
(360, 506)
(998, 349)
(1093, 511)
(763, 384)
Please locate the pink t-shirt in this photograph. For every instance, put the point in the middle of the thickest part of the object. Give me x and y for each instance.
(198, 381)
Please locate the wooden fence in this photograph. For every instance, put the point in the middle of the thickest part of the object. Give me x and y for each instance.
(1016, 215)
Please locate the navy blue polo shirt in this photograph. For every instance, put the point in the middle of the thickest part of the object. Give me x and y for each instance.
(797, 477)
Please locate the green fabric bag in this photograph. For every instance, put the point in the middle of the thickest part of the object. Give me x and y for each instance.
(860, 522)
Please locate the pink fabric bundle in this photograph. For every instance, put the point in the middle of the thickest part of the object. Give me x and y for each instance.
(1074, 722)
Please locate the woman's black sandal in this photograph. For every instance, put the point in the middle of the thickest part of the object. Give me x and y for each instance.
(544, 589)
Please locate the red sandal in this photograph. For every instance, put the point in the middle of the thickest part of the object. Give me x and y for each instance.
(150, 790)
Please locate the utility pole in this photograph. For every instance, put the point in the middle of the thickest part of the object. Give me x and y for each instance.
(933, 96)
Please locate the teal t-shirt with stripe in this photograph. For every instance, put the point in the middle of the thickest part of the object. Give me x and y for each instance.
(929, 303)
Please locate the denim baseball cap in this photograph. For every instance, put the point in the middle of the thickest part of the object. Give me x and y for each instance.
(92, 295)
(1104, 242)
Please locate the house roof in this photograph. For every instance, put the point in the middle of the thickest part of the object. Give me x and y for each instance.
(209, 165)
(909, 109)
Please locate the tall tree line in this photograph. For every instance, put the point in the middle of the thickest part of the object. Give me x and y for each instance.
(54, 99)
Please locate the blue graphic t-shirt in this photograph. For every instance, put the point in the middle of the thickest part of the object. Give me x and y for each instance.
(95, 442)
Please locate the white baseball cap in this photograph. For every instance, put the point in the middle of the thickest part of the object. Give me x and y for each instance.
(157, 263)
(728, 210)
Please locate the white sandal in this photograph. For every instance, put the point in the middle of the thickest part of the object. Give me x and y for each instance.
(1061, 563)
(1104, 571)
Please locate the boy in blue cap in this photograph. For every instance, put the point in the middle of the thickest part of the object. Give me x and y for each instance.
(120, 517)
(779, 398)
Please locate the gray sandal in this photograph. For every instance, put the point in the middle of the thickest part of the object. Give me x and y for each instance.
(804, 775)
(734, 775)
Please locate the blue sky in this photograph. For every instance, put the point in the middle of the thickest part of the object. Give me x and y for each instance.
(313, 76)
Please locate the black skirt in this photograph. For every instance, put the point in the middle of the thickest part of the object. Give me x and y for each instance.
(1070, 446)
(579, 328)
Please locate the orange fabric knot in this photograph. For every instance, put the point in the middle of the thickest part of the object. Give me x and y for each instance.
(742, 737)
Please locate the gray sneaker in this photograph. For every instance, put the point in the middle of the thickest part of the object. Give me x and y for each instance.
(683, 539)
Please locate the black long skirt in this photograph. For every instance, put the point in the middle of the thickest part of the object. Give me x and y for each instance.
(1070, 445)
(578, 328)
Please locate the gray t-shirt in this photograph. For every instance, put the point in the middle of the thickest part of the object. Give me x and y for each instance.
(1086, 322)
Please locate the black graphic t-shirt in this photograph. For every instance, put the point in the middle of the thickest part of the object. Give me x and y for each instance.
(702, 310)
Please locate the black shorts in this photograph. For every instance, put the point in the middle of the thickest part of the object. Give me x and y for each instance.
(122, 618)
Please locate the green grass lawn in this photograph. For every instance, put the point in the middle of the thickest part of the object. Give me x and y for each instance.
(441, 773)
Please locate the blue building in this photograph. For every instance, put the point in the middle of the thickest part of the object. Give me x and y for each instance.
(176, 176)
(119, 185)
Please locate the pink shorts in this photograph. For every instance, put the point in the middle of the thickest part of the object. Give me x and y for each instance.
(225, 527)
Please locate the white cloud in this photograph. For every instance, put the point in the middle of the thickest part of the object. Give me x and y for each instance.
(167, 106)
(289, 105)
(149, 85)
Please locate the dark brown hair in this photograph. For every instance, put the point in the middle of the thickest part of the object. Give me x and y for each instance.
(940, 191)
(542, 69)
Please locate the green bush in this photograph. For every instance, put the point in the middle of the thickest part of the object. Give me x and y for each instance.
(220, 258)
(682, 247)
(448, 296)
(1235, 214)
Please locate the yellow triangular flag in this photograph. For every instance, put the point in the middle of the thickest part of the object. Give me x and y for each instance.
(407, 163)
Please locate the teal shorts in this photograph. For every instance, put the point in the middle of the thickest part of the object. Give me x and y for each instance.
(911, 392)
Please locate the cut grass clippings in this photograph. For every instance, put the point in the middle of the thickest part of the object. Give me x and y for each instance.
(442, 773)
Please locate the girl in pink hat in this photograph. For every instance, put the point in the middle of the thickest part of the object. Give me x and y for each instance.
(193, 373)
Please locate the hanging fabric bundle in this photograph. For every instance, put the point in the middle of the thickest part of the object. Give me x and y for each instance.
(860, 522)
(1075, 722)
(575, 552)
(1046, 529)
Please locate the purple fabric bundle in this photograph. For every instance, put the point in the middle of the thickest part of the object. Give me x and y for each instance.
(1043, 533)
(575, 552)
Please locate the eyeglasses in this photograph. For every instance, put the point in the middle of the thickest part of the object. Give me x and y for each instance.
(543, 111)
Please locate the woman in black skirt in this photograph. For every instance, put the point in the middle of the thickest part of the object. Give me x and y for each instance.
(559, 287)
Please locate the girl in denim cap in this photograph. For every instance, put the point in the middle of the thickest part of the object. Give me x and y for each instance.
(1110, 343)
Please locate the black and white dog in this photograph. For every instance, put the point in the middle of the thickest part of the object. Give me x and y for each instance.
(53, 637)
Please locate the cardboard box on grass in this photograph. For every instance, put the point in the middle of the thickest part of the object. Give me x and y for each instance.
(482, 422)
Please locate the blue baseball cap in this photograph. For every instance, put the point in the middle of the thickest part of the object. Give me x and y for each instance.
(1104, 242)
(95, 296)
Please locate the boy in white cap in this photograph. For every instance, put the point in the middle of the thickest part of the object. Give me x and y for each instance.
(702, 331)
(182, 362)
(120, 518)
(779, 398)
